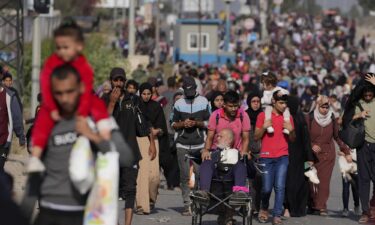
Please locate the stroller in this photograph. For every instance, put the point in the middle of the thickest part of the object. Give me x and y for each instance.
(221, 196)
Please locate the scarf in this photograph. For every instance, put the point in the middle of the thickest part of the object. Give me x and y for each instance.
(322, 120)
(252, 113)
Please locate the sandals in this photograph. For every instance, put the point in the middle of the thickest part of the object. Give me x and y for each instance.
(323, 212)
(263, 216)
(140, 211)
(364, 219)
(277, 221)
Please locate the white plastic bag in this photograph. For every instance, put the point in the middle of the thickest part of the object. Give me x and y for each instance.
(229, 156)
(81, 165)
(102, 204)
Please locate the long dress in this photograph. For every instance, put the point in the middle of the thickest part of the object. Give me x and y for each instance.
(325, 160)
(297, 186)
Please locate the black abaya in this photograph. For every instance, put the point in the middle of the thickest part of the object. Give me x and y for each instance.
(297, 186)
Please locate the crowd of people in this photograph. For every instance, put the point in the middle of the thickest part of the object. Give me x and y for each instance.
(281, 104)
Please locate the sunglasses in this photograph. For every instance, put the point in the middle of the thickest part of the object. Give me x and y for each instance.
(255, 101)
(324, 107)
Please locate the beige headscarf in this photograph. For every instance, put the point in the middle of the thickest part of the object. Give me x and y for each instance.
(322, 120)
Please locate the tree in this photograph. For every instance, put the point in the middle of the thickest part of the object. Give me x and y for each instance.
(81, 7)
(367, 5)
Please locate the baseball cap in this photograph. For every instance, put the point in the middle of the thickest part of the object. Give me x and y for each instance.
(189, 87)
(117, 72)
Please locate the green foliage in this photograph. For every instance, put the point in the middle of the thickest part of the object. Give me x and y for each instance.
(354, 12)
(301, 6)
(47, 49)
(367, 5)
(81, 7)
(102, 58)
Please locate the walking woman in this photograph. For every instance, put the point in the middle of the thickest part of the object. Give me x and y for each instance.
(149, 175)
(297, 186)
(323, 129)
(255, 107)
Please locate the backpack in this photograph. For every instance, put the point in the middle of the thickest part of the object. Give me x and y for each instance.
(218, 117)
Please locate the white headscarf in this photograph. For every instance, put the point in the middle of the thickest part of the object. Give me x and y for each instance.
(322, 120)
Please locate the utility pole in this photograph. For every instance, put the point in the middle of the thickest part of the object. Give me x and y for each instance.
(114, 13)
(157, 35)
(36, 62)
(199, 32)
(227, 25)
(263, 5)
(131, 26)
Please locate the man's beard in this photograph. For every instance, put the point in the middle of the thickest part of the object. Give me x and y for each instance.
(222, 145)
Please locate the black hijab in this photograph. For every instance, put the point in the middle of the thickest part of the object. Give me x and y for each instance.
(252, 113)
(154, 114)
(150, 108)
(293, 104)
(214, 95)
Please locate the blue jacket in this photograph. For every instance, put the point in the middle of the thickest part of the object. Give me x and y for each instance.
(15, 118)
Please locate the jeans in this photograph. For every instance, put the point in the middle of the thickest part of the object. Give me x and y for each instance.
(274, 176)
(366, 173)
(346, 191)
(184, 165)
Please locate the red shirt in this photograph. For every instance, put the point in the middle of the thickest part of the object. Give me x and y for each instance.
(4, 119)
(276, 144)
(85, 72)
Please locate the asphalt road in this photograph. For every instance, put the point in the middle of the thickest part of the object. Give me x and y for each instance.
(169, 204)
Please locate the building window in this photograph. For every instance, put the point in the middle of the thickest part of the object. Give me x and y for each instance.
(193, 43)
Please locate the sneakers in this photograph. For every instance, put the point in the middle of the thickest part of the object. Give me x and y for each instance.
(238, 198)
(270, 130)
(345, 213)
(357, 211)
(187, 211)
(35, 165)
(312, 174)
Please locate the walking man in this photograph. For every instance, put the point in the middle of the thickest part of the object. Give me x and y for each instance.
(11, 119)
(274, 155)
(189, 118)
(121, 105)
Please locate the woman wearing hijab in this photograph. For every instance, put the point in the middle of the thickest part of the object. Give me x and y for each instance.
(323, 130)
(148, 175)
(254, 108)
(297, 186)
(217, 100)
